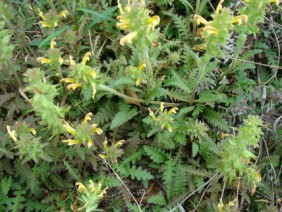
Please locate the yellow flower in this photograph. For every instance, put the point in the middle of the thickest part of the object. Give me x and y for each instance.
(258, 176)
(81, 188)
(44, 23)
(53, 43)
(68, 80)
(86, 58)
(32, 130)
(220, 206)
(154, 21)
(152, 115)
(63, 14)
(96, 129)
(240, 19)
(219, 6)
(74, 86)
(89, 143)
(123, 24)
(162, 107)
(71, 142)
(210, 30)
(87, 117)
(172, 110)
(12, 133)
(119, 143)
(128, 38)
(43, 60)
(69, 128)
(200, 20)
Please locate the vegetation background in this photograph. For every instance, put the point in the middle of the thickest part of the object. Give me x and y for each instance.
(161, 105)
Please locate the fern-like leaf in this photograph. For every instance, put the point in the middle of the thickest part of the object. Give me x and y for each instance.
(215, 119)
(157, 155)
(123, 116)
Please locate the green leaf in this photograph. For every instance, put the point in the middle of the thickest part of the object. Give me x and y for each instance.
(122, 117)
(195, 149)
(6, 185)
(157, 199)
(157, 155)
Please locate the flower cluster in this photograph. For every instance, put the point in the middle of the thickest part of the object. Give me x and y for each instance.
(90, 195)
(83, 132)
(137, 73)
(216, 32)
(53, 59)
(29, 146)
(164, 117)
(136, 21)
(51, 19)
(111, 153)
(82, 75)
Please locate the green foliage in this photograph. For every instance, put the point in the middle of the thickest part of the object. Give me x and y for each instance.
(167, 90)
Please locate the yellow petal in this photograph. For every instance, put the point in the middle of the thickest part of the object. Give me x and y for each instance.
(68, 80)
(86, 58)
(102, 156)
(142, 66)
(73, 86)
(152, 115)
(32, 130)
(240, 19)
(200, 20)
(119, 143)
(120, 8)
(172, 110)
(12, 133)
(98, 131)
(258, 176)
(155, 20)
(69, 128)
(87, 117)
(72, 62)
(128, 38)
(219, 6)
(41, 14)
(220, 206)
(81, 187)
(89, 143)
(52, 43)
(91, 185)
(71, 142)
(43, 60)
(210, 30)
(45, 24)
(162, 107)
(105, 144)
(64, 13)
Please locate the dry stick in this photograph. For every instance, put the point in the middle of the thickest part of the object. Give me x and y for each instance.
(202, 197)
(195, 191)
(119, 178)
(237, 196)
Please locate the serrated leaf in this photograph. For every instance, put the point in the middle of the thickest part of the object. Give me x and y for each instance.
(122, 117)
(6, 185)
(156, 155)
(195, 149)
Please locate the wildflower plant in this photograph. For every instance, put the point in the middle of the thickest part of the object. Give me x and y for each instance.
(83, 133)
(111, 153)
(135, 20)
(42, 101)
(90, 195)
(28, 145)
(82, 76)
(51, 19)
(53, 57)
